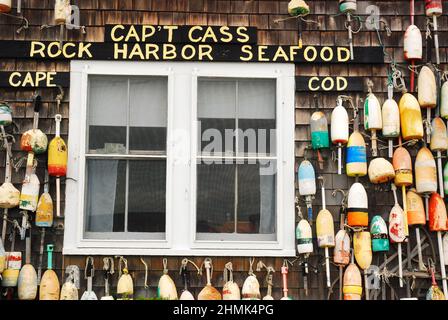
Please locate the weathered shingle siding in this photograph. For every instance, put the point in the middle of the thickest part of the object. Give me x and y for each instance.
(260, 14)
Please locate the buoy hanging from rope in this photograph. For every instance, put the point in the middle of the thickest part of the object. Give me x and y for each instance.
(427, 95)
(416, 217)
(434, 293)
(339, 129)
(391, 119)
(413, 45)
(125, 285)
(397, 231)
(285, 271)
(319, 132)
(434, 9)
(209, 292)
(251, 286)
(352, 282)
(69, 290)
(89, 272)
(108, 269)
(439, 143)
(230, 290)
(307, 186)
(166, 289)
(410, 118)
(357, 211)
(269, 279)
(372, 118)
(349, 7)
(325, 232)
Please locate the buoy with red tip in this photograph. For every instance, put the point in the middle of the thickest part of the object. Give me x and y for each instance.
(307, 186)
(362, 244)
(434, 9)
(439, 143)
(357, 209)
(416, 217)
(425, 175)
(380, 238)
(410, 118)
(438, 222)
(427, 95)
(325, 232)
(391, 119)
(372, 118)
(352, 282)
(230, 290)
(356, 155)
(397, 231)
(339, 129)
(380, 171)
(209, 292)
(319, 132)
(413, 44)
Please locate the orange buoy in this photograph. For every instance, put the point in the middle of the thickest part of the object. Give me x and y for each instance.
(5, 6)
(410, 118)
(357, 211)
(402, 163)
(416, 209)
(352, 283)
(209, 292)
(437, 213)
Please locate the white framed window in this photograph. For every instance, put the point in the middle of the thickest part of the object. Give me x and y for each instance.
(180, 158)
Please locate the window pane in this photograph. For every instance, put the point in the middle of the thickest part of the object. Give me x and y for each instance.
(256, 115)
(254, 198)
(215, 198)
(148, 113)
(107, 110)
(147, 194)
(216, 113)
(106, 190)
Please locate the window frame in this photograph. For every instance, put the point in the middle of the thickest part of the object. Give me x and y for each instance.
(180, 236)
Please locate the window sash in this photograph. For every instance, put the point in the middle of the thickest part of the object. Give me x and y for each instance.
(180, 240)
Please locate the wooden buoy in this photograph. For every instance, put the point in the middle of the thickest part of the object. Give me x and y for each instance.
(69, 291)
(397, 231)
(30, 194)
(380, 171)
(434, 293)
(434, 9)
(413, 44)
(298, 8)
(356, 155)
(186, 294)
(416, 217)
(352, 288)
(209, 292)
(307, 185)
(27, 283)
(5, 6)
(166, 288)
(319, 132)
(363, 249)
(49, 285)
(425, 172)
(44, 212)
(9, 196)
(341, 252)
(402, 164)
(439, 143)
(380, 238)
(373, 119)
(339, 130)
(61, 11)
(10, 275)
(391, 120)
(89, 272)
(304, 237)
(427, 88)
(357, 211)
(410, 118)
(347, 6)
(285, 271)
(230, 290)
(444, 100)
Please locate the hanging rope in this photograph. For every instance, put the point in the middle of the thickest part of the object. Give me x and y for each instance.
(228, 272)
(146, 273)
(185, 263)
(165, 265)
(251, 264)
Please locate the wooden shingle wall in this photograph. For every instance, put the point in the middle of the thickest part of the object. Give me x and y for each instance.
(261, 14)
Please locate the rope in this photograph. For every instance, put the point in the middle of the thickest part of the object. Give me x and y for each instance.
(165, 265)
(184, 264)
(251, 270)
(89, 263)
(228, 272)
(146, 273)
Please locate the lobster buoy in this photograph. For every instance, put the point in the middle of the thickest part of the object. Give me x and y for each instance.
(44, 212)
(5, 6)
(362, 244)
(433, 8)
(34, 140)
(427, 88)
(396, 224)
(319, 131)
(402, 164)
(298, 8)
(347, 6)
(304, 237)
(437, 213)
(231, 291)
(380, 171)
(444, 101)
(380, 238)
(251, 289)
(410, 118)
(372, 116)
(339, 125)
(5, 111)
(61, 11)
(10, 275)
(425, 172)
(49, 284)
(57, 154)
(357, 211)
(413, 44)
(69, 291)
(341, 252)
(125, 285)
(166, 288)
(391, 119)
(356, 155)
(352, 288)
(30, 194)
(325, 229)
(445, 248)
(307, 179)
(415, 209)
(27, 283)
(9, 196)
(439, 138)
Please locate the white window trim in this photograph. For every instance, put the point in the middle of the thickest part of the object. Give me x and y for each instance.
(181, 160)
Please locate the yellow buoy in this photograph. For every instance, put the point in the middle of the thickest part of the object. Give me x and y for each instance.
(410, 118)
(352, 283)
(403, 167)
(49, 285)
(362, 244)
(125, 285)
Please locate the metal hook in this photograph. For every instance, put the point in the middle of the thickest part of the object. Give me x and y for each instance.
(344, 196)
